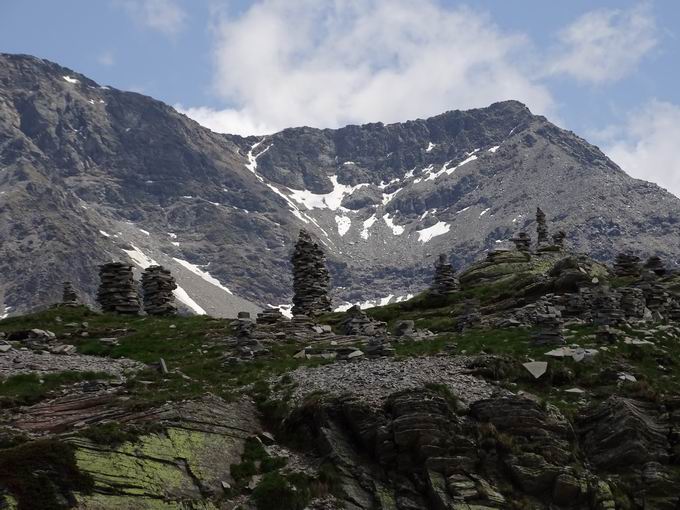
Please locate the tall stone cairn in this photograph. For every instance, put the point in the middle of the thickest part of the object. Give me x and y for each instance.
(157, 285)
(541, 228)
(69, 296)
(656, 266)
(311, 281)
(627, 264)
(117, 289)
(444, 281)
(522, 242)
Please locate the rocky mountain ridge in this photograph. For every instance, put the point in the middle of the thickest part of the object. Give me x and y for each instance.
(90, 174)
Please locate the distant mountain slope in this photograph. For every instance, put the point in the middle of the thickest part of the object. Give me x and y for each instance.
(90, 173)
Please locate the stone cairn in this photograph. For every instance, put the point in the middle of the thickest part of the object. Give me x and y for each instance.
(158, 284)
(522, 242)
(627, 265)
(445, 281)
(471, 316)
(69, 296)
(656, 266)
(550, 326)
(607, 314)
(632, 302)
(311, 280)
(541, 228)
(558, 239)
(357, 322)
(657, 297)
(270, 316)
(117, 289)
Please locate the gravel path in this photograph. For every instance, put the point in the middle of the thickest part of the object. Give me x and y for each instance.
(374, 380)
(24, 362)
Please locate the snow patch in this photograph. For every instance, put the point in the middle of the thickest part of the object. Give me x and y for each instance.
(435, 230)
(343, 224)
(286, 310)
(145, 232)
(172, 235)
(139, 257)
(203, 274)
(371, 303)
(484, 212)
(471, 156)
(430, 146)
(182, 295)
(367, 225)
(5, 312)
(494, 149)
(397, 230)
(70, 80)
(330, 200)
(105, 234)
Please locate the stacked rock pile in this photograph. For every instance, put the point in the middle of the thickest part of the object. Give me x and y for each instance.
(117, 290)
(522, 242)
(356, 322)
(632, 302)
(657, 297)
(607, 308)
(558, 238)
(311, 281)
(445, 281)
(158, 284)
(550, 327)
(578, 304)
(541, 228)
(470, 316)
(270, 316)
(69, 296)
(627, 265)
(656, 266)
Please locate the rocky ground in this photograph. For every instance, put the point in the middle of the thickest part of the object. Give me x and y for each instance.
(539, 380)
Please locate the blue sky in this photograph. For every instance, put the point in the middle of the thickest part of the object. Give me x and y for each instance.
(609, 70)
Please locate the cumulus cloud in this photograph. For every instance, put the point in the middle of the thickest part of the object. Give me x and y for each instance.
(605, 45)
(331, 63)
(165, 16)
(646, 146)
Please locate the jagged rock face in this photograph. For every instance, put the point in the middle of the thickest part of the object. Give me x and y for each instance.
(101, 170)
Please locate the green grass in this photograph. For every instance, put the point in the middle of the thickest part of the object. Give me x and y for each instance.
(23, 389)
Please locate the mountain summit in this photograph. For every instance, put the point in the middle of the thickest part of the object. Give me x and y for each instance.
(90, 174)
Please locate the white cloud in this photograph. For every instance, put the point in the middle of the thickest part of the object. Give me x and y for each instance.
(647, 146)
(165, 16)
(330, 63)
(605, 45)
(106, 58)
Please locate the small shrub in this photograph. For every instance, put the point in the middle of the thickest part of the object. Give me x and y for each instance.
(275, 492)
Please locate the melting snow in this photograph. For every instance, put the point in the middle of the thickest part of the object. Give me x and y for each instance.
(330, 200)
(367, 225)
(445, 167)
(173, 236)
(70, 80)
(409, 174)
(174, 243)
(145, 232)
(349, 163)
(343, 224)
(387, 197)
(484, 212)
(396, 229)
(435, 230)
(105, 234)
(203, 274)
(494, 149)
(252, 160)
(286, 310)
(139, 258)
(463, 210)
(5, 312)
(182, 295)
(371, 303)
(430, 146)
